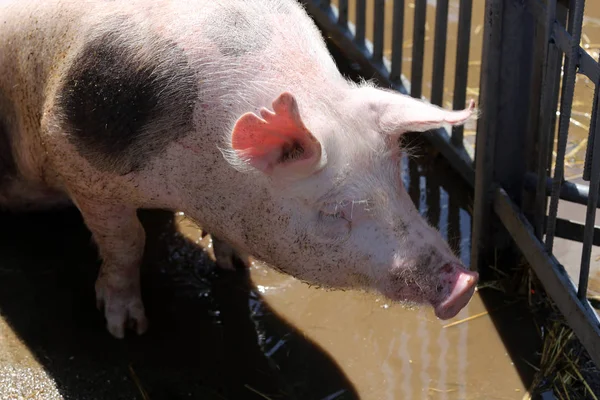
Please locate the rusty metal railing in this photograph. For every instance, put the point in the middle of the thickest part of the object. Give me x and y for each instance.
(525, 43)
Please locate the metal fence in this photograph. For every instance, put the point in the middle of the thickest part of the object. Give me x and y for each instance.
(531, 55)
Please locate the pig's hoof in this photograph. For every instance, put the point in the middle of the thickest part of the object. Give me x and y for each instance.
(123, 308)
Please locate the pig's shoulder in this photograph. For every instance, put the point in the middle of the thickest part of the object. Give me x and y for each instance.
(126, 95)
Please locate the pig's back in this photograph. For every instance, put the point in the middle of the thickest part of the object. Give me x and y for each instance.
(232, 55)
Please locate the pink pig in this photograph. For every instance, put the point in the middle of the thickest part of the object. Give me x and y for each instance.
(232, 111)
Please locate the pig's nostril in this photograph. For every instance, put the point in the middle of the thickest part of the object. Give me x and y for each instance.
(439, 288)
(461, 290)
(447, 268)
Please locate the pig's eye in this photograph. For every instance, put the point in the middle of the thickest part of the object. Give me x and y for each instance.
(333, 224)
(335, 215)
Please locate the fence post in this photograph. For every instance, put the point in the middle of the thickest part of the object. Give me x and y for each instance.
(500, 157)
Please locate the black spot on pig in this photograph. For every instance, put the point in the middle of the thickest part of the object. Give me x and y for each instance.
(236, 34)
(124, 101)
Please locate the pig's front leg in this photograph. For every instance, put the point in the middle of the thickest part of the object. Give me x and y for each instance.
(120, 238)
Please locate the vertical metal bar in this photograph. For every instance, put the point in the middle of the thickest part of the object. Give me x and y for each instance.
(486, 132)
(343, 13)
(551, 56)
(416, 74)
(397, 37)
(462, 65)
(378, 25)
(590, 145)
(439, 52)
(588, 233)
(361, 13)
(565, 115)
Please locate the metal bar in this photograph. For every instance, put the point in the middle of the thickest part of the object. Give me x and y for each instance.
(587, 65)
(462, 64)
(439, 52)
(343, 13)
(579, 315)
(545, 122)
(486, 132)
(564, 121)
(378, 25)
(361, 14)
(418, 50)
(573, 192)
(588, 235)
(587, 168)
(397, 37)
(574, 231)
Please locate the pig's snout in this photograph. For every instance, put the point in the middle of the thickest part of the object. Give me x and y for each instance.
(458, 285)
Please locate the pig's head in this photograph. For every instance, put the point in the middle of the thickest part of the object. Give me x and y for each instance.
(342, 216)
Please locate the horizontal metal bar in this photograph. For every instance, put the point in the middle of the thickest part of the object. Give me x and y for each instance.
(457, 156)
(579, 315)
(573, 230)
(573, 192)
(587, 65)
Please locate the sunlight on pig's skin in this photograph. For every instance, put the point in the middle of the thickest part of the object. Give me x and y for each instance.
(197, 106)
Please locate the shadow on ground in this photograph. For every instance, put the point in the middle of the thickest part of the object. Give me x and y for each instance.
(210, 331)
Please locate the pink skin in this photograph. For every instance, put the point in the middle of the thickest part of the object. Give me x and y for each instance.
(287, 161)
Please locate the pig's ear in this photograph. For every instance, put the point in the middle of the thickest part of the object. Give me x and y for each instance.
(400, 113)
(277, 142)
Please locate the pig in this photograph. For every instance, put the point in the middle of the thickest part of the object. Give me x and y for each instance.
(233, 112)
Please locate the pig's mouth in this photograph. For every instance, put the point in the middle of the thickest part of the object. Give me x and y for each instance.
(451, 292)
